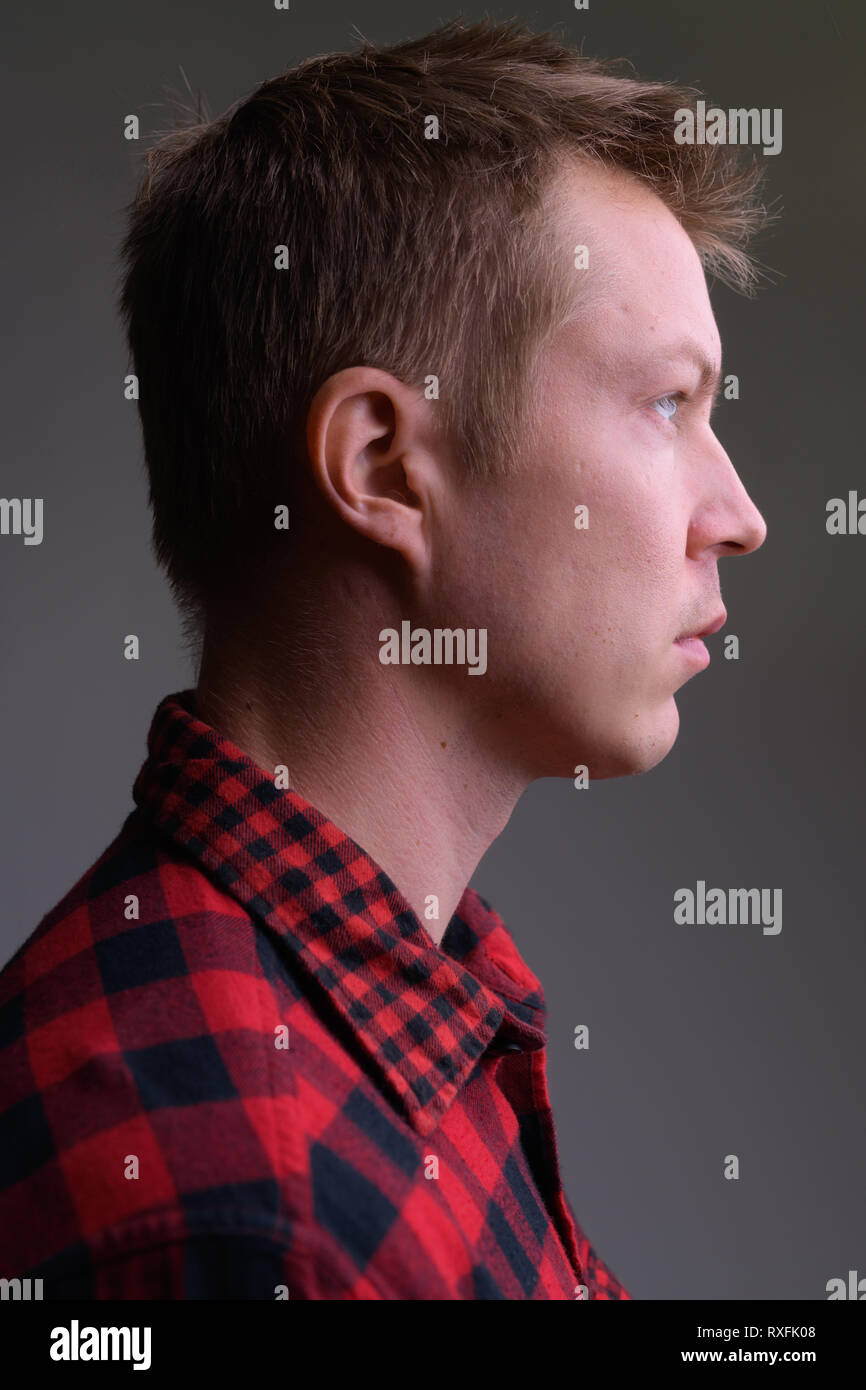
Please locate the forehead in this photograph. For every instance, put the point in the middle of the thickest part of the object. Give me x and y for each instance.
(644, 284)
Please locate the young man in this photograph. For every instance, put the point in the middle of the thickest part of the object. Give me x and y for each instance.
(426, 363)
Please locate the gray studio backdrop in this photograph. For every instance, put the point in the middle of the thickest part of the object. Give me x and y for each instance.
(704, 1041)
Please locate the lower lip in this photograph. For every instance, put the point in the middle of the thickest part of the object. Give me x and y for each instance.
(694, 649)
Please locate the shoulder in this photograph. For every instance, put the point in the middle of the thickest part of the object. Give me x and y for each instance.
(153, 1054)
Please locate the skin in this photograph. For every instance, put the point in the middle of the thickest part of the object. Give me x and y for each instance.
(422, 765)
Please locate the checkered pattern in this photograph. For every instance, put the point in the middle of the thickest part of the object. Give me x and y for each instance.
(233, 1064)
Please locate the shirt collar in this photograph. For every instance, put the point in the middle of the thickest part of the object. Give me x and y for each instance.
(422, 1014)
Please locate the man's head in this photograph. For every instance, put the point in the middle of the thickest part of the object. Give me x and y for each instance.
(432, 381)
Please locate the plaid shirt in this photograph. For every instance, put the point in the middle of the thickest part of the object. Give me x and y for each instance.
(233, 1064)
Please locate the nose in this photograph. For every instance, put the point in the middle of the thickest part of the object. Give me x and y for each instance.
(726, 520)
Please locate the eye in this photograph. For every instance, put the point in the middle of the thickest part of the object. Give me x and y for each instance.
(667, 405)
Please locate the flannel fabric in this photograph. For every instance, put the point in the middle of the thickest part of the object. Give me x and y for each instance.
(233, 1064)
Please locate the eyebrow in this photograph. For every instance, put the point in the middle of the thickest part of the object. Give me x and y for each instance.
(710, 375)
(685, 350)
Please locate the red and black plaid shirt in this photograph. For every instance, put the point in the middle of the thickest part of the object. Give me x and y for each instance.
(233, 1064)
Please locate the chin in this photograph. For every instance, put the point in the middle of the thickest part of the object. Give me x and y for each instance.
(630, 750)
(655, 741)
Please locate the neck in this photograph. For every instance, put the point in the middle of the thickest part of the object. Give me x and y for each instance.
(394, 759)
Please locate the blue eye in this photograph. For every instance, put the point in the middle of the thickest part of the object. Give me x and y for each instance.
(666, 406)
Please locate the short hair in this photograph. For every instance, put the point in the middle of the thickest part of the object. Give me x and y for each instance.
(420, 256)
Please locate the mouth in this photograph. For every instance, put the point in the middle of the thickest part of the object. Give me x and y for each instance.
(690, 643)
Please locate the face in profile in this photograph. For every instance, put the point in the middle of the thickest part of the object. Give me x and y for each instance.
(584, 659)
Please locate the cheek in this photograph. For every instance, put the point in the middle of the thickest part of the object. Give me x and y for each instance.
(632, 554)
(519, 564)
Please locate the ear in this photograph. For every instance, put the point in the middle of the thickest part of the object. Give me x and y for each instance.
(370, 440)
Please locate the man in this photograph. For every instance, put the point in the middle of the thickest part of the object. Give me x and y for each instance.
(426, 363)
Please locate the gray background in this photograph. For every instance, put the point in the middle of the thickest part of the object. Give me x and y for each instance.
(707, 1040)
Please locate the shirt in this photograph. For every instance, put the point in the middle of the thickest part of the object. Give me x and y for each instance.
(235, 1065)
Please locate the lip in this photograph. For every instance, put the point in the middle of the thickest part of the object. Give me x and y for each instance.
(707, 631)
(691, 644)
(693, 648)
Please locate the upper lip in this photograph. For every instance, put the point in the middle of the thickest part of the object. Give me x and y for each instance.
(710, 628)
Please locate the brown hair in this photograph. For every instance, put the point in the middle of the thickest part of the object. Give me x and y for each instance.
(419, 256)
